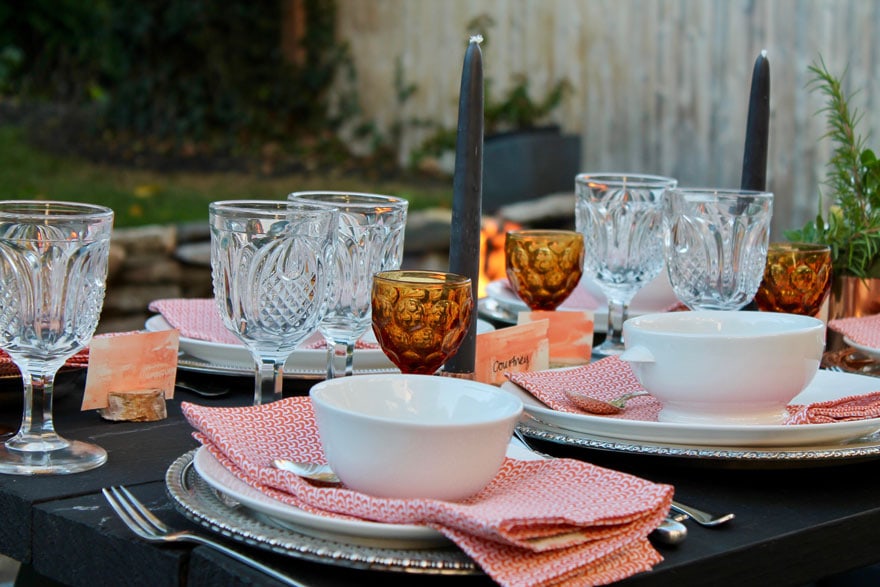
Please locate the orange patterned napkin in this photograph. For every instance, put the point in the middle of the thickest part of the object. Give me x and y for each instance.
(604, 379)
(198, 318)
(864, 330)
(541, 522)
(853, 407)
(611, 377)
(8, 368)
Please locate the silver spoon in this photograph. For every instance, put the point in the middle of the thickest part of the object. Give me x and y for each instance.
(313, 471)
(598, 406)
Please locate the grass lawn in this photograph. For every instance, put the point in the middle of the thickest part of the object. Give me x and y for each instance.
(140, 197)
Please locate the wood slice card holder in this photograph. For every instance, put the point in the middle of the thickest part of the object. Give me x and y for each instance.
(141, 405)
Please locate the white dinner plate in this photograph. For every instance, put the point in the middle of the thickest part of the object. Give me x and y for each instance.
(872, 352)
(826, 385)
(302, 360)
(373, 534)
(657, 296)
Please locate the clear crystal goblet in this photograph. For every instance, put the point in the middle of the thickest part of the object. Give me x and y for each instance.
(716, 245)
(53, 273)
(621, 218)
(369, 240)
(271, 270)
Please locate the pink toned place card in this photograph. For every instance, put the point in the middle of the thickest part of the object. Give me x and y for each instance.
(570, 335)
(130, 362)
(524, 347)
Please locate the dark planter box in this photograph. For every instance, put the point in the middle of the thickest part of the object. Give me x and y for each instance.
(528, 164)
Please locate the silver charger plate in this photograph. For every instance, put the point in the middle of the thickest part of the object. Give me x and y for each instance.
(202, 504)
(845, 452)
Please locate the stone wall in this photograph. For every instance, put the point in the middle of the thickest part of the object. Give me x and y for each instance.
(146, 264)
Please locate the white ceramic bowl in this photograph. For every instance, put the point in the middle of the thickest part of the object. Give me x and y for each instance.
(724, 367)
(414, 436)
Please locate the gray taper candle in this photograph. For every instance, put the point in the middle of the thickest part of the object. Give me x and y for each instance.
(467, 196)
(754, 169)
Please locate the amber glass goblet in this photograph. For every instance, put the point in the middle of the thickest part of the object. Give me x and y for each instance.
(544, 266)
(797, 278)
(421, 317)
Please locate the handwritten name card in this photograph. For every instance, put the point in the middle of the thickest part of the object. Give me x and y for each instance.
(518, 348)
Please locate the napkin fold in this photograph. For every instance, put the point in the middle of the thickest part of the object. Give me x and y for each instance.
(541, 522)
(196, 318)
(853, 407)
(611, 377)
(199, 319)
(863, 330)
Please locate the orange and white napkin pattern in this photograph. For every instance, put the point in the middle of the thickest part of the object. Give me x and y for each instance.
(852, 407)
(198, 318)
(604, 379)
(610, 377)
(8, 368)
(540, 522)
(863, 330)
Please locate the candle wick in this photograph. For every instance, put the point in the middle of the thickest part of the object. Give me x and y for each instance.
(476, 39)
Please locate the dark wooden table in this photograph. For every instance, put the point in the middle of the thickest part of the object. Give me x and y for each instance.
(792, 527)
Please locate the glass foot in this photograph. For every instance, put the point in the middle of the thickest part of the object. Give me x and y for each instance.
(74, 458)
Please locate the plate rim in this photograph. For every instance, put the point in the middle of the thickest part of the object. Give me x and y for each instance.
(189, 361)
(639, 430)
(420, 535)
(198, 502)
(151, 323)
(747, 457)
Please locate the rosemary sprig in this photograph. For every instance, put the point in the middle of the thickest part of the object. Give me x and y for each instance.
(852, 228)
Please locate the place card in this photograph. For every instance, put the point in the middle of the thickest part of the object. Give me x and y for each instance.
(523, 347)
(570, 334)
(133, 361)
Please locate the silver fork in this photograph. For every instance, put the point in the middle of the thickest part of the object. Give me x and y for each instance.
(682, 511)
(145, 524)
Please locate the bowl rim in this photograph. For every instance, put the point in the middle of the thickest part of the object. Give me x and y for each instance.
(512, 406)
(800, 324)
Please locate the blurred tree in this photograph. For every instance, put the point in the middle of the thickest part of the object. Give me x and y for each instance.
(212, 71)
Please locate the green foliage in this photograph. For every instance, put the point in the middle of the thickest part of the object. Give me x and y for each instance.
(852, 227)
(515, 110)
(178, 70)
(61, 45)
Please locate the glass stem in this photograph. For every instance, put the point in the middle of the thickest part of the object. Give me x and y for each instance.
(270, 381)
(617, 314)
(349, 359)
(331, 359)
(37, 431)
(334, 350)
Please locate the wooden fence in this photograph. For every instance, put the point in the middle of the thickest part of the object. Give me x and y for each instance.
(659, 86)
